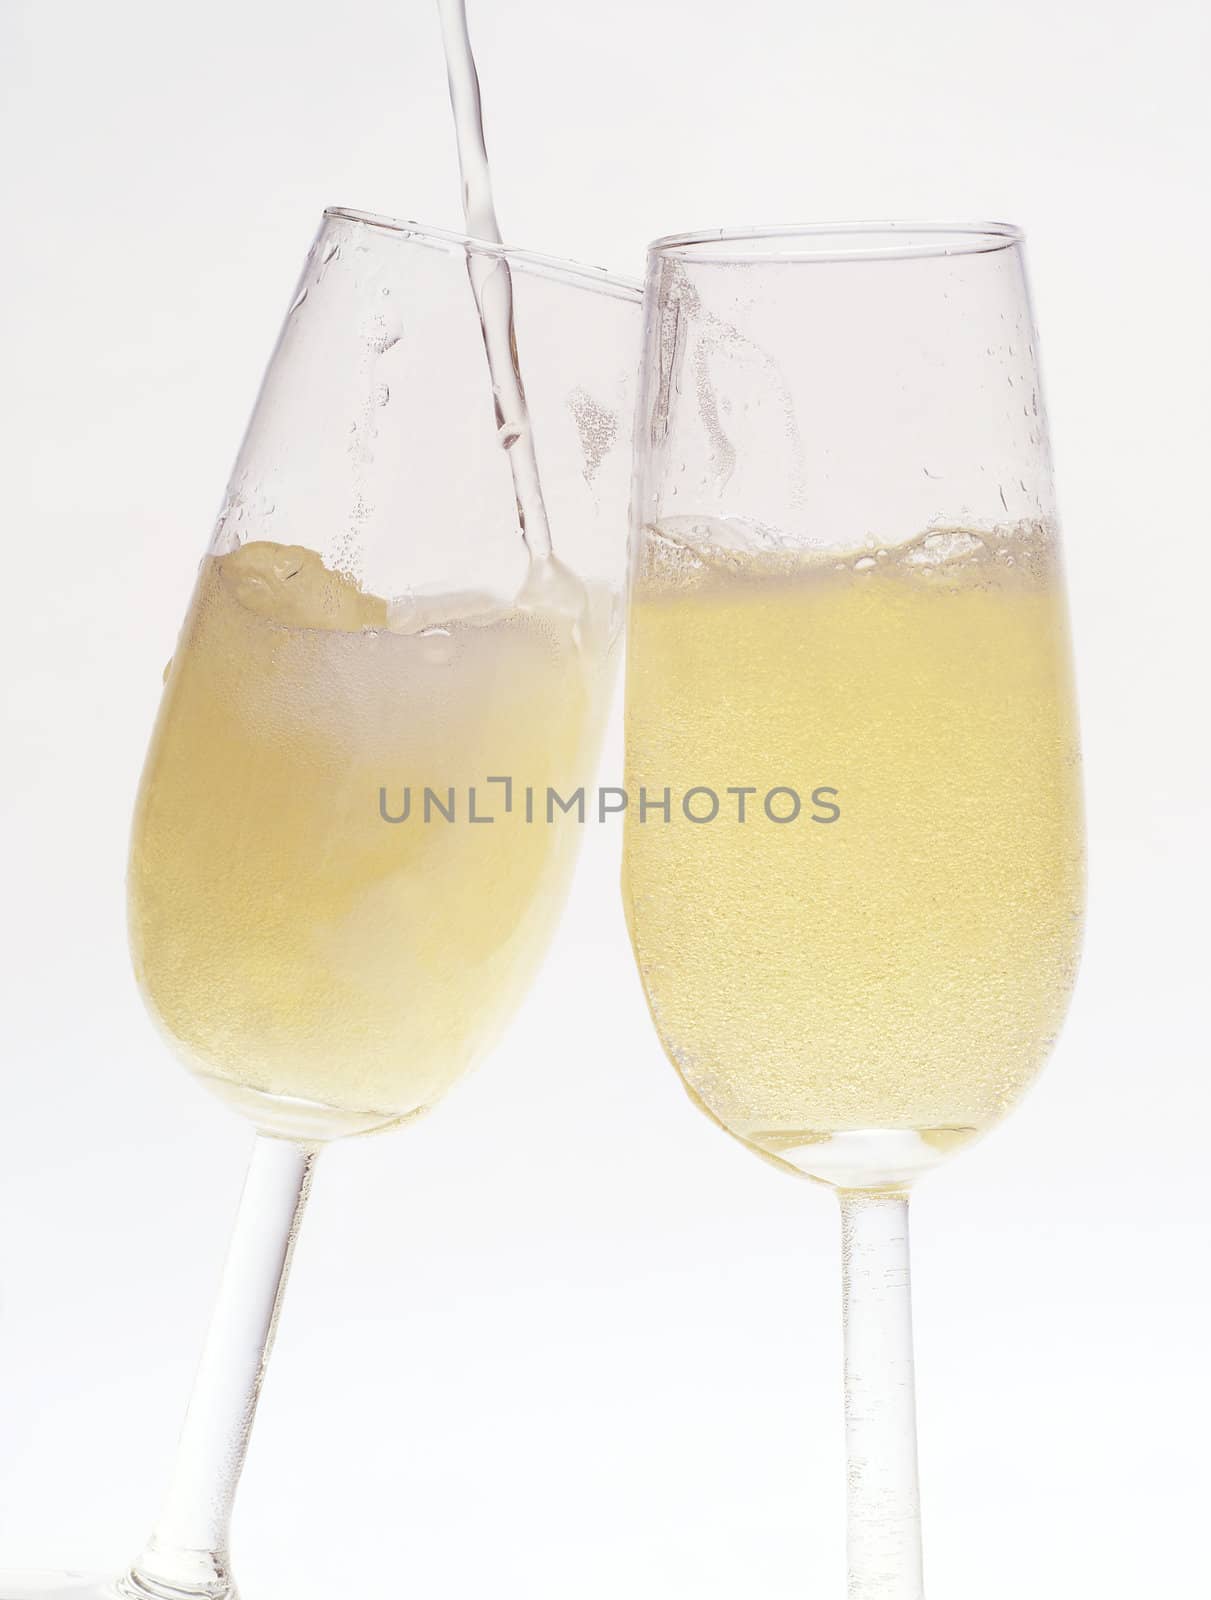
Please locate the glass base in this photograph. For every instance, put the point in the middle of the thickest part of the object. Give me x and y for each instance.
(38, 1585)
(57, 1586)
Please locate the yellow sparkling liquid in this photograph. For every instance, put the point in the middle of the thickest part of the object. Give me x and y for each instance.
(327, 970)
(903, 968)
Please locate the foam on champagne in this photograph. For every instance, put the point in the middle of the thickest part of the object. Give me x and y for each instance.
(329, 971)
(903, 970)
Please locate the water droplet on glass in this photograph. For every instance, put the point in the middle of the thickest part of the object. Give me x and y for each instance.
(384, 335)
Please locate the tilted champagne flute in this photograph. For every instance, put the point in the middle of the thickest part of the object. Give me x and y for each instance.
(323, 922)
(849, 694)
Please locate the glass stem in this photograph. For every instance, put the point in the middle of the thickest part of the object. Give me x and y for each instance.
(883, 1502)
(187, 1554)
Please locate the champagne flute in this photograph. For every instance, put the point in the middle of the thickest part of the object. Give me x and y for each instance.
(854, 862)
(337, 898)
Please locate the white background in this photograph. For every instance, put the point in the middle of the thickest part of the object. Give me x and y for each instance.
(564, 1338)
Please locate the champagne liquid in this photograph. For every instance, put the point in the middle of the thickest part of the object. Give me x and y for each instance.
(857, 997)
(492, 282)
(329, 971)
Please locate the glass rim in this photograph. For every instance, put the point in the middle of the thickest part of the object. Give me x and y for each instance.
(577, 272)
(824, 242)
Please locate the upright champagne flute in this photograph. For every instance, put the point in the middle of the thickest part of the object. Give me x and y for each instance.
(337, 898)
(854, 859)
